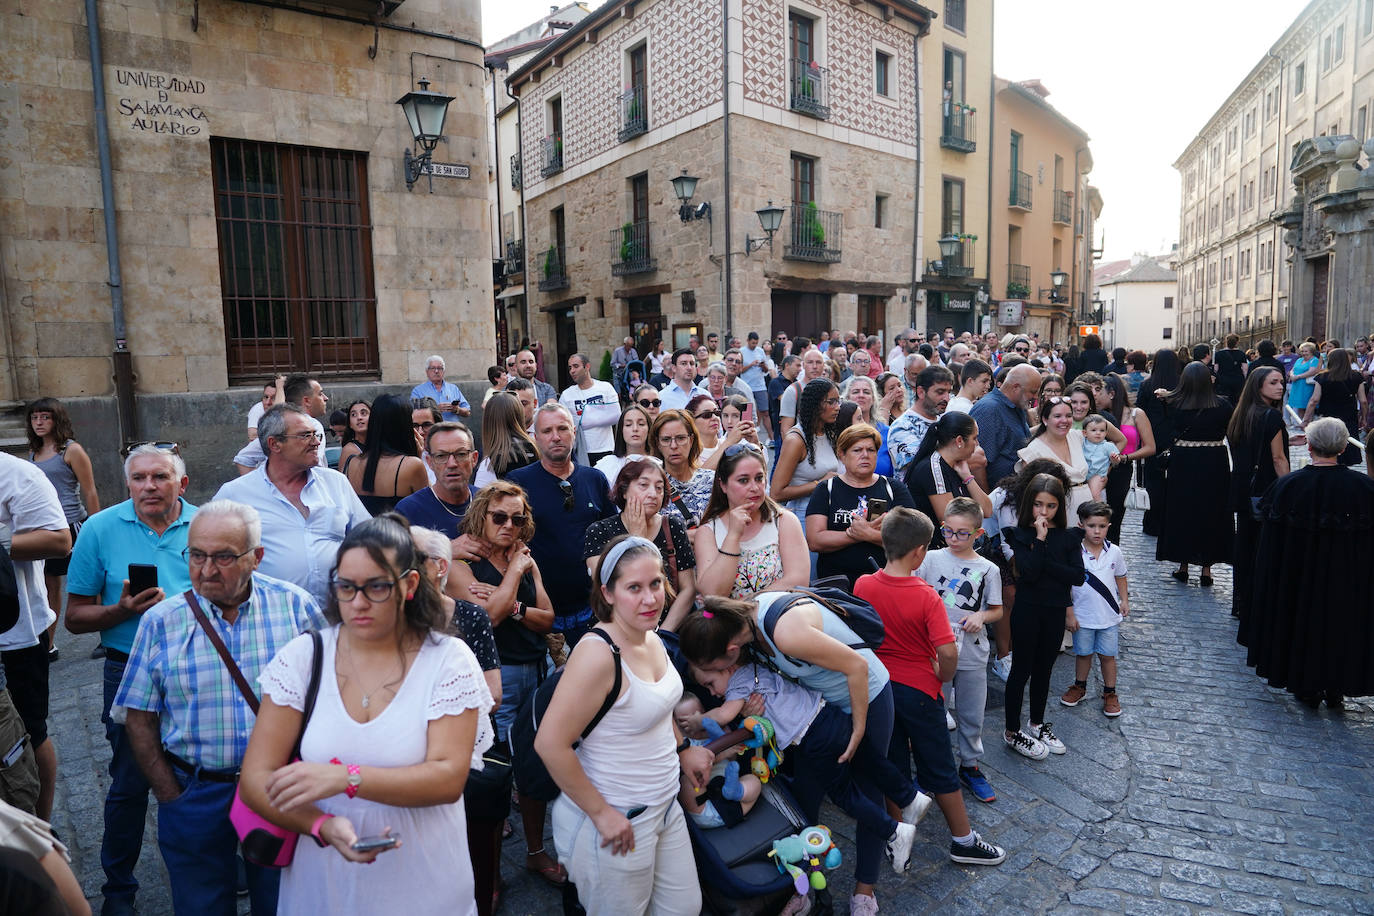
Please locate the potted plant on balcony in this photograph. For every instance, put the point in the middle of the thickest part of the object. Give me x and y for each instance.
(813, 233)
(552, 267)
(627, 243)
(632, 108)
(1017, 290)
(810, 77)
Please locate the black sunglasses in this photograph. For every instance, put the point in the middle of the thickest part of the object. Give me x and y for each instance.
(739, 447)
(567, 488)
(646, 402)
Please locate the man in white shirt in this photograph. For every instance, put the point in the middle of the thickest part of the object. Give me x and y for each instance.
(756, 367)
(813, 367)
(594, 406)
(905, 343)
(269, 394)
(683, 386)
(306, 510)
(305, 392)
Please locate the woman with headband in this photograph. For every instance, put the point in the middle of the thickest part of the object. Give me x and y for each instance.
(618, 826)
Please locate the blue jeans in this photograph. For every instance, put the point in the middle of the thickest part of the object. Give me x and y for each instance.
(199, 844)
(518, 681)
(126, 804)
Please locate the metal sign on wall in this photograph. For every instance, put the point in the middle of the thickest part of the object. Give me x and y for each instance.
(447, 170)
(1011, 312)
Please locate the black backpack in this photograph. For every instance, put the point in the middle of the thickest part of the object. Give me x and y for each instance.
(531, 776)
(854, 612)
(9, 591)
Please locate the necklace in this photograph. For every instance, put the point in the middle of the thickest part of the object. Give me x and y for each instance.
(440, 500)
(385, 685)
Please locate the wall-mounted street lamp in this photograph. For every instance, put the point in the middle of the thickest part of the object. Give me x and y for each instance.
(1057, 280)
(770, 218)
(425, 112)
(950, 247)
(684, 186)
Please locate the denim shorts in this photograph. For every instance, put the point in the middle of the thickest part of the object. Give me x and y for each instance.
(1096, 642)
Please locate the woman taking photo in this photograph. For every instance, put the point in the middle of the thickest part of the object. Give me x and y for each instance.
(354, 440)
(505, 439)
(808, 450)
(1163, 377)
(392, 469)
(1258, 438)
(53, 447)
(1114, 403)
(705, 413)
(940, 470)
(844, 517)
(617, 823)
(891, 398)
(862, 392)
(746, 542)
(640, 492)
(1198, 524)
(1339, 392)
(511, 589)
(404, 707)
(737, 425)
(673, 440)
(631, 440)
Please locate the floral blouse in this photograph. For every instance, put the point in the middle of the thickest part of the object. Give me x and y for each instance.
(760, 559)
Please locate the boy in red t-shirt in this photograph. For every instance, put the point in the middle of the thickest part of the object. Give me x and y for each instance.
(920, 654)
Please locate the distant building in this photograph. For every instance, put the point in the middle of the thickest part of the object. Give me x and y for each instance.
(1137, 297)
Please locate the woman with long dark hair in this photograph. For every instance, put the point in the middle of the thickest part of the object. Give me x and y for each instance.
(1258, 438)
(354, 440)
(1339, 392)
(808, 450)
(1197, 527)
(1115, 405)
(505, 439)
(631, 439)
(746, 543)
(391, 452)
(1163, 377)
(940, 470)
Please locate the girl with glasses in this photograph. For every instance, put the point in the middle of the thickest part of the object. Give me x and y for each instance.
(368, 769)
(393, 469)
(1051, 386)
(808, 450)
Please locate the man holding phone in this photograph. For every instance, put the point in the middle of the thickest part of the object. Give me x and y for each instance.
(447, 395)
(109, 587)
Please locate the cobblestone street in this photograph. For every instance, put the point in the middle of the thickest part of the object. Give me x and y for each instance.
(1211, 792)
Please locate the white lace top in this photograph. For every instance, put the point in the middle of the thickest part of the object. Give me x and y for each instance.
(445, 679)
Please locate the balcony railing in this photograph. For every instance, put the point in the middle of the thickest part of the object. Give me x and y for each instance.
(1018, 281)
(554, 269)
(958, 130)
(553, 155)
(634, 112)
(514, 262)
(1063, 207)
(810, 89)
(630, 253)
(814, 235)
(517, 178)
(961, 265)
(1020, 190)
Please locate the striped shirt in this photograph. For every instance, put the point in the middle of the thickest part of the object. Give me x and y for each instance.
(175, 672)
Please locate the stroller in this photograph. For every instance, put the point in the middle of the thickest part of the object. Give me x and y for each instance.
(635, 374)
(733, 861)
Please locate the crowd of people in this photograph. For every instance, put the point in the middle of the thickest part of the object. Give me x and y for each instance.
(339, 646)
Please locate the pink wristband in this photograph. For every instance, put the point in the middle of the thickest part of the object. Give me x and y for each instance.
(355, 777)
(315, 829)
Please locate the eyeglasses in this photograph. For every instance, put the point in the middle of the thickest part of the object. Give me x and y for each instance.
(566, 487)
(649, 402)
(422, 425)
(670, 441)
(222, 560)
(499, 519)
(311, 436)
(707, 415)
(462, 454)
(949, 534)
(375, 590)
(831, 402)
(160, 446)
(739, 447)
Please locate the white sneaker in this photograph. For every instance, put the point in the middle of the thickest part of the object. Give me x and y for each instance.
(1048, 738)
(899, 847)
(1026, 744)
(949, 721)
(1002, 666)
(913, 812)
(861, 905)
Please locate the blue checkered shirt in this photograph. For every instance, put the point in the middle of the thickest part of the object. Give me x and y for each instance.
(175, 672)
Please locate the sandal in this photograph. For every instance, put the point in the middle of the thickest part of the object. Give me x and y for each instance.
(1180, 575)
(554, 874)
(1205, 581)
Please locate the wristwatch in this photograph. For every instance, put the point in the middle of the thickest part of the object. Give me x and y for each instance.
(519, 612)
(686, 743)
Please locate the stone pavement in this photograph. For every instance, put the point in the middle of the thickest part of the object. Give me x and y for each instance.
(1211, 793)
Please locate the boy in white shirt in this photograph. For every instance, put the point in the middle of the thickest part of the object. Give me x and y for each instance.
(1098, 608)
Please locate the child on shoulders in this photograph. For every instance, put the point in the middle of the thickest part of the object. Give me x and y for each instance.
(1097, 611)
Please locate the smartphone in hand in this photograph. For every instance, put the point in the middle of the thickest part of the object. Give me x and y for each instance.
(370, 843)
(876, 507)
(142, 576)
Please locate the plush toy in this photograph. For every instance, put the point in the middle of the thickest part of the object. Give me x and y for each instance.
(767, 757)
(804, 855)
(731, 790)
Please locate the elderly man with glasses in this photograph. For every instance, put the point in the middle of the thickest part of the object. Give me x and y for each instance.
(447, 395)
(306, 509)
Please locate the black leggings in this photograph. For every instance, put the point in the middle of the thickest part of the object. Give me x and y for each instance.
(1037, 630)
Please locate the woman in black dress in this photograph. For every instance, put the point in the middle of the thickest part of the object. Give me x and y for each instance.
(1230, 365)
(1259, 455)
(1163, 376)
(1339, 392)
(1197, 525)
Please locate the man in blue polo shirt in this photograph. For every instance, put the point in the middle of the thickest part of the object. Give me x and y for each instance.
(444, 504)
(149, 528)
(447, 395)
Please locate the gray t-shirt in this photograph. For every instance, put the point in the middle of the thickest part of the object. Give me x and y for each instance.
(787, 704)
(965, 586)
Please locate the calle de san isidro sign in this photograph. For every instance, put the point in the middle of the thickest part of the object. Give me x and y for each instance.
(446, 170)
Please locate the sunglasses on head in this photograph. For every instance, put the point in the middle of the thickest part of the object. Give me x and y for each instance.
(160, 446)
(741, 447)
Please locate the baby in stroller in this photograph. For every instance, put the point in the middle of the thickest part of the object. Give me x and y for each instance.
(728, 797)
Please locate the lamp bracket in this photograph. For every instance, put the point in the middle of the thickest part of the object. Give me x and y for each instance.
(415, 167)
(752, 244)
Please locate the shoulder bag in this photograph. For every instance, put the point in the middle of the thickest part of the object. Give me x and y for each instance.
(264, 843)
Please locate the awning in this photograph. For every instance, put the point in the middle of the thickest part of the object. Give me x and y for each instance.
(510, 292)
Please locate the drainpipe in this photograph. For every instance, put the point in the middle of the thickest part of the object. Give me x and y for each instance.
(916, 196)
(992, 155)
(524, 235)
(728, 304)
(121, 358)
(496, 167)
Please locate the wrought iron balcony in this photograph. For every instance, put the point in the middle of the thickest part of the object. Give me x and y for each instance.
(959, 266)
(1020, 190)
(810, 89)
(517, 178)
(814, 235)
(555, 269)
(634, 112)
(630, 253)
(958, 131)
(1018, 281)
(553, 155)
(514, 262)
(1063, 207)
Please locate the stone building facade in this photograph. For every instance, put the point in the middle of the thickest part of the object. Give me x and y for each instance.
(820, 118)
(263, 220)
(1235, 273)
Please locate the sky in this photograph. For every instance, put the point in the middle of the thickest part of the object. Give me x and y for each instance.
(1140, 80)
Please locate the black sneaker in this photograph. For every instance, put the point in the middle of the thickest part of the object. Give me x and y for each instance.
(979, 852)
